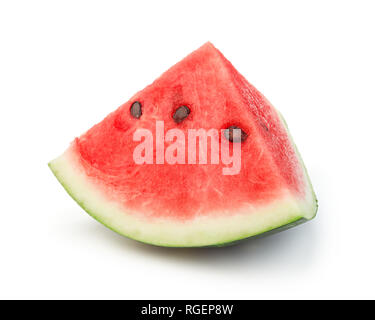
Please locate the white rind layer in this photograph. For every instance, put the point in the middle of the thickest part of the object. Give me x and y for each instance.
(216, 229)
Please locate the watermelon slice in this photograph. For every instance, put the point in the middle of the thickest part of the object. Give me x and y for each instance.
(192, 203)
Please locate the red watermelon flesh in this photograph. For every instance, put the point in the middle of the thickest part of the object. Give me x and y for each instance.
(190, 204)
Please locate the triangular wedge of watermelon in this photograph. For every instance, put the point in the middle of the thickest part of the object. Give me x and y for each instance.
(190, 204)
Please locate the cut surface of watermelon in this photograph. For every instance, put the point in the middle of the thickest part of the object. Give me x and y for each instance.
(190, 204)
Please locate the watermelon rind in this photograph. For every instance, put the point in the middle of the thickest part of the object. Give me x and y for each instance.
(220, 229)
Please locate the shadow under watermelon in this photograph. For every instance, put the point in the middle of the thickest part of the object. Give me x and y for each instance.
(292, 250)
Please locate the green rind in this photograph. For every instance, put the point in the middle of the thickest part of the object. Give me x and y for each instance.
(270, 232)
(96, 217)
(265, 232)
(301, 162)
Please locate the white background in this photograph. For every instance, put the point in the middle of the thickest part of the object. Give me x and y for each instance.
(65, 64)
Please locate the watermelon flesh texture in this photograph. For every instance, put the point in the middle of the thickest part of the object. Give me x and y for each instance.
(190, 205)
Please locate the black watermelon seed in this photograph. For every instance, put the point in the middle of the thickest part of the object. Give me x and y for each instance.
(136, 109)
(229, 134)
(180, 114)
